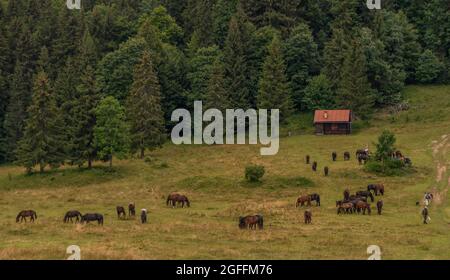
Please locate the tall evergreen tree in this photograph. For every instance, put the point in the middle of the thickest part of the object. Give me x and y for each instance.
(217, 96)
(354, 91)
(334, 56)
(82, 144)
(42, 143)
(144, 111)
(274, 90)
(238, 66)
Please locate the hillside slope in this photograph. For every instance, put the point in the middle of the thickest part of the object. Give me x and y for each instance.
(212, 177)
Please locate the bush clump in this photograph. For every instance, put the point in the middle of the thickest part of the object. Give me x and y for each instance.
(254, 173)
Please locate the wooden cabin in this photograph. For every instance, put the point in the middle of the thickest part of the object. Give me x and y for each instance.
(332, 122)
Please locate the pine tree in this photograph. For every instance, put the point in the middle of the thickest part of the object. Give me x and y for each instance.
(144, 110)
(82, 145)
(42, 143)
(238, 68)
(354, 91)
(274, 91)
(19, 99)
(223, 10)
(111, 130)
(198, 18)
(217, 96)
(334, 56)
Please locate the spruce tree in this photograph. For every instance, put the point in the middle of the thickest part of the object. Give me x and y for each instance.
(274, 90)
(334, 56)
(42, 143)
(111, 130)
(144, 111)
(238, 68)
(217, 96)
(82, 145)
(354, 91)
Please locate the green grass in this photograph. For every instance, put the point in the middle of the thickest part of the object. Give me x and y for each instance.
(213, 178)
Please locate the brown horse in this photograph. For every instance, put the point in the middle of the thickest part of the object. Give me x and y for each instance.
(315, 197)
(302, 200)
(326, 170)
(346, 156)
(380, 205)
(251, 222)
(345, 207)
(377, 188)
(346, 194)
(308, 217)
(307, 159)
(175, 198)
(121, 212)
(132, 209)
(314, 166)
(361, 205)
(72, 214)
(22, 216)
(334, 156)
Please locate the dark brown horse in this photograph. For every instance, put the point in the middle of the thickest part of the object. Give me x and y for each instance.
(72, 214)
(22, 216)
(132, 209)
(86, 218)
(314, 166)
(376, 188)
(346, 156)
(315, 197)
(251, 222)
(144, 216)
(380, 205)
(326, 170)
(334, 156)
(307, 159)
(366, 194)
(308, 216)
(346, 194)
(121, 212)
(361, 205)
(176, 198)
(302, 200)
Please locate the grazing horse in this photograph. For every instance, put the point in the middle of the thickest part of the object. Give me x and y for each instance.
(362, 159)
(175, 198)
(72, 214)
(346, 208)
(380, 206)
(86, 218)
(315, 197)
(121, 212)
(346, 156)
(302, 200)
(334, 156)
(347, 194)
(144, 216)
(251, 222)
(361, 152)
(326, 170)
(376, 188)
(314, 166)
(132, 209)
(366, 194)
(361, 205)
(308, 216)
(22, 216)
(307, 159)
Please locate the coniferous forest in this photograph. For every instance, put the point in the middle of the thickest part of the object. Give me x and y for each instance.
(78, 86)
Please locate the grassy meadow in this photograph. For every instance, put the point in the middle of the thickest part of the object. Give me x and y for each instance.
(213, 179)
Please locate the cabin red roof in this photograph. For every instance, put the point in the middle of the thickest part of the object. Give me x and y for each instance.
(332, 116)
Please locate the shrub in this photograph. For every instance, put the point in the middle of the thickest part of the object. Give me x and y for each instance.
(389, 167)
(254, 173)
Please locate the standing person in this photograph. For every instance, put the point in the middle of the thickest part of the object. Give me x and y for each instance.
(425, 214)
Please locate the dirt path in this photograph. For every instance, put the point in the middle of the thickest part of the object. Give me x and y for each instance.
(439, 152)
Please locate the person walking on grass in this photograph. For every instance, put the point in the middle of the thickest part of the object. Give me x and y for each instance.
(425, 215)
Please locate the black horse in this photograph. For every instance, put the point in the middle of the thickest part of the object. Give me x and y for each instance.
(72, 214)
(326, 170)
(92, 217)
(366, 194)
(144, 216)
(334, 156)
(346, 156)
(132, 209)
(307, 159)
(22, 216)
(314, 166)
(315, 197)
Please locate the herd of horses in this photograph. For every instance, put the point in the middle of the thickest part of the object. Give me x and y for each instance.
(75, 216)
(350, 204)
